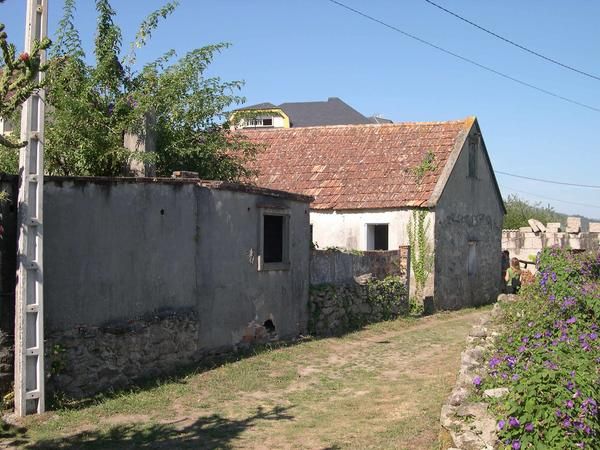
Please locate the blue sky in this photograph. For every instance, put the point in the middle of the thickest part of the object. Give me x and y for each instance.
(312, 49)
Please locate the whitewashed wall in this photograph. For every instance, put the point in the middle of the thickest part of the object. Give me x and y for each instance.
(349, 230)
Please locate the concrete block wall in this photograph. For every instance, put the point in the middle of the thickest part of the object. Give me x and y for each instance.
(525, 243)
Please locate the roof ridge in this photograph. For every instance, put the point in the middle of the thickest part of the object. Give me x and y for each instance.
(467, 120)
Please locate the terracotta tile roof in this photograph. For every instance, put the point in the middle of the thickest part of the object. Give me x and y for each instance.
(357, 166)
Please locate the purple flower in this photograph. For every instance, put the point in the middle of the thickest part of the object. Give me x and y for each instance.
(529, 427)
(477, 381)
(566, 422)
(494, 362)
(522, 349)
(515, 377)
(513, 422)
(501, 424)
(572, 320)
(559, 413)
(524, 339)
(530, 324)
(516, 445)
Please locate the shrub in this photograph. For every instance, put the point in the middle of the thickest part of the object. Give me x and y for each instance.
(548, 357)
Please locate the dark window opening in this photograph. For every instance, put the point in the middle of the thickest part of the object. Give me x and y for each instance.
(377, 237)
(267, 122)
(273, 238)
(380, 235)
(473, 146)
(311, 233)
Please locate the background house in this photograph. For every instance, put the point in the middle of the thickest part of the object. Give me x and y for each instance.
(301, 114)
(368, 179)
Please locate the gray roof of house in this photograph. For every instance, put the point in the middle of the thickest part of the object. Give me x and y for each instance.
(309, 114)
(332, 112)
(265, 105)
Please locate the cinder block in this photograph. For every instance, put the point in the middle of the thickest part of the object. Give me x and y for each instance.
(534, 226)
(525, 229)
(540, 226)
(594, 227)
(575, 242)
(573, 224)
(553, 226)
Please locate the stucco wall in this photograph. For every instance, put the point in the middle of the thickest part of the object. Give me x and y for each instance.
(348, 229)
(469, 210)
(115, 251)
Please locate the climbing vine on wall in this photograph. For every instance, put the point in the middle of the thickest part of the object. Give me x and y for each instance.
(421, 250)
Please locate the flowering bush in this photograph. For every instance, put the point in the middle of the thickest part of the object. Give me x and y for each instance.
(548, 357)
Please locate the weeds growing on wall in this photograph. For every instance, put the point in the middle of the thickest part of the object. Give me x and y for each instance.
(548, 357)
(421, 251)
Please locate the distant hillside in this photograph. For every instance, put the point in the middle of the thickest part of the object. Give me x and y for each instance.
(518, 211)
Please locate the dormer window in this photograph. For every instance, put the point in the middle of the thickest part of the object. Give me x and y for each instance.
(260, 122)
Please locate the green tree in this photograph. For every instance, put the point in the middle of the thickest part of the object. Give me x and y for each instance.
(18, 80)
(519, 211)
(92, 106)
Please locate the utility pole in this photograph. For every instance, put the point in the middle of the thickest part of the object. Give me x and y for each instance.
(29, 308)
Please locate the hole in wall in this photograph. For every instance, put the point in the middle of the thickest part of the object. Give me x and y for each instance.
(269, 326)
(162, 212)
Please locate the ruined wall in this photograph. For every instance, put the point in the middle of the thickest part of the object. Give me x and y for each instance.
(120, 252)
(349, 290)
(526, 243)
(468, 227)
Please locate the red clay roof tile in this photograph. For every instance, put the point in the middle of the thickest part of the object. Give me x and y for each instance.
(356, 166)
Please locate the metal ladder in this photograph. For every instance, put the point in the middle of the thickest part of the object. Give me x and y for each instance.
(29, 308)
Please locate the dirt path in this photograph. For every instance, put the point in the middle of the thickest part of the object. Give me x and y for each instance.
(381, 387)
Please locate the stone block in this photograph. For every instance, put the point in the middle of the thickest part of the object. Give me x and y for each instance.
(525, 229)
(573, 224)
(534, 225)
(594, 227)
(553, 227)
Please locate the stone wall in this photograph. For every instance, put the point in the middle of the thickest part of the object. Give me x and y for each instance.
(349, 290)
(85, 360)
(466, 424)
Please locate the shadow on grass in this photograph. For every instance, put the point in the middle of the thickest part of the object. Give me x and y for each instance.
(208, 432)
(12, 435)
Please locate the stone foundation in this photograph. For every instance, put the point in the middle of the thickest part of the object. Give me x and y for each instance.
(87, 360)
(335, 309)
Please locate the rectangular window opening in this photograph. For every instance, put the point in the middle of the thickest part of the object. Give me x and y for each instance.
(273, 239)
(377, 237)
(473, 147)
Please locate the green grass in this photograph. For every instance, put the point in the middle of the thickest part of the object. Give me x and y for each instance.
(380, 387)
